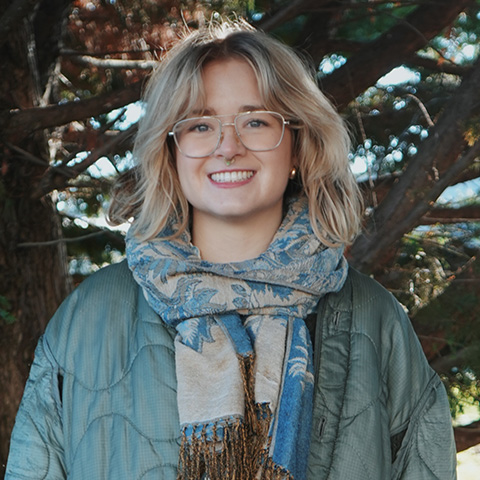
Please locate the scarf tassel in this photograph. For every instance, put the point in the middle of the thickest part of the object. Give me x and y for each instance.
(242, 451)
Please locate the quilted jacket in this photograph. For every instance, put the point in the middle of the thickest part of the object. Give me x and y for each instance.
(100, 402)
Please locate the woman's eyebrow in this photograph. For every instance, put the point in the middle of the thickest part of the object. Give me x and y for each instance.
(243, 108)
(248, 108)
(202, 111)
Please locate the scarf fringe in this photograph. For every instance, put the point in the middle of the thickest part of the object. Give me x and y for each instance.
(242, 452)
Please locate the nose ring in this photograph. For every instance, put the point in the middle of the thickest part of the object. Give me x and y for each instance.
(229, 161)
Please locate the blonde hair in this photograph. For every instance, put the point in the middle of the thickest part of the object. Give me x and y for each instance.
(152, 193)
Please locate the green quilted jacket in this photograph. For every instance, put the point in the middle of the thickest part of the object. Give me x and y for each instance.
(100, 402)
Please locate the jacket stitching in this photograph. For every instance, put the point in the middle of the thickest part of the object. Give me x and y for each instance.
(375, 399)
(412, 428)
(160, 465)
(359, 457)
(44, 444)
(418, 419)
(334, 448)
(124, 373)
(130, 422)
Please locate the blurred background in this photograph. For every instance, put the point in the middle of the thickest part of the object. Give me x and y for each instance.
(404, 74)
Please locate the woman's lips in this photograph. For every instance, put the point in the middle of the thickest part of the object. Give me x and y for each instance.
(236, 176)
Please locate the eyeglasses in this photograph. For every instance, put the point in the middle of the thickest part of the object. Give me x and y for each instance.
(258, 131)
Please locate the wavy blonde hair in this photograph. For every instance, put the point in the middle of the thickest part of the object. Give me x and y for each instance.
(151, 192)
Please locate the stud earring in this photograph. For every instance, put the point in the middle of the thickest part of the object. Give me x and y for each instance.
(293, 173)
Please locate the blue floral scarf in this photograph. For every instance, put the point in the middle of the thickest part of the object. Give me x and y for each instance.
(243, 352)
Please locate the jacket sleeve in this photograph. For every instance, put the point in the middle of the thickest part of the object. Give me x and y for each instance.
(423, 446)
(36, 450)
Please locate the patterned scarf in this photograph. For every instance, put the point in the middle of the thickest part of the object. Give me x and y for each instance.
(243, 352)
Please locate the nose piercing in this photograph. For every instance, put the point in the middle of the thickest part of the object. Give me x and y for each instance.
(229, 161)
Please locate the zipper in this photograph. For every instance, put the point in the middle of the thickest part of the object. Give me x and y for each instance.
(321, 426)
(336, 319)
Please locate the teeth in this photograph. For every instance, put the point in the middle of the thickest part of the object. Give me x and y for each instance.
(225, 177)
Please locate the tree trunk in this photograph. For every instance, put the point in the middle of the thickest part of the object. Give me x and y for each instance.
(467, 436)
(440, 160)
(33, 280)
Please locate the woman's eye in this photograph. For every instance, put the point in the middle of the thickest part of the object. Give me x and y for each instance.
(200, 128)
(256, 123)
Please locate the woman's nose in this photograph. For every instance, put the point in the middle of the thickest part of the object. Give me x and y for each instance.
(230, 143)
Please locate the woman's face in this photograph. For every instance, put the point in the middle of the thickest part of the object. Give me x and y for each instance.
(255, 190)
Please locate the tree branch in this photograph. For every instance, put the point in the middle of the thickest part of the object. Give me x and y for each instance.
(12, 17)
(49, 243)
(444, 365)
(394, 47)
(18, 124)
(438, 65)
(368, 250)
(114, 238)
(438, 163)
(289, 11)
(467, 436)
(382, 185)
(27, 155)
(57, 177)
(67, 52)
(451, 215)
(293, 9)
(114, 63)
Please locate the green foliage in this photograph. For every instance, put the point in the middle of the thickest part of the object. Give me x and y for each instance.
(472, 130)
(464, 391)
(96, 244)
(420, 273)
(5, 310)
(364, 22)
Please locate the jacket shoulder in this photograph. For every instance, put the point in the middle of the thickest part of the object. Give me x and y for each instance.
(367, 308)
(367, 290)
(108, 282)
(108, 291)
(105, 317)
(362, 292)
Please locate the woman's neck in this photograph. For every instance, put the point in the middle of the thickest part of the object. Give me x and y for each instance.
(221, 241)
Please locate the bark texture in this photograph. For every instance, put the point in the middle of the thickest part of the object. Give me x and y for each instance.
(441, 159)
(33, 280)
(391, 49)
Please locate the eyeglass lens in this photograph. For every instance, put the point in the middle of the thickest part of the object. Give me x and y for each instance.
(201, 136)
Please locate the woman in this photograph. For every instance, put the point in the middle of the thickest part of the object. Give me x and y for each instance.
(195, 360)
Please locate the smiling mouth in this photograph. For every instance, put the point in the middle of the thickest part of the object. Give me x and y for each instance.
(231, 177)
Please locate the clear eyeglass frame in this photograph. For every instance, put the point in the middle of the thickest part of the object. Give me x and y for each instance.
(221, 124)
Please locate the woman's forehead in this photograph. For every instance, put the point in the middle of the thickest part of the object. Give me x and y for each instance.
(229, 80)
